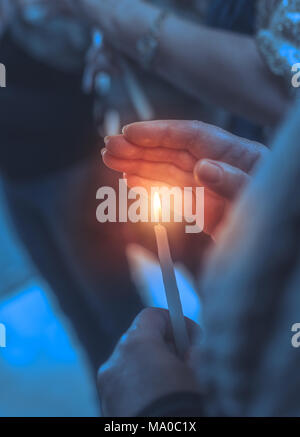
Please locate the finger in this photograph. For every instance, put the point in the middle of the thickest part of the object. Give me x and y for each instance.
(121, 148)
(164, 172)
(222, 178)
(200, 139)
(155, 323)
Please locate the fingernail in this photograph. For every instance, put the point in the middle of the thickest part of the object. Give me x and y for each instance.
(124, 128)
(209, 172)
(106, 139)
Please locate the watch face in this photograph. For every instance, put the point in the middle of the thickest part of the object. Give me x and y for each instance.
(147, 47)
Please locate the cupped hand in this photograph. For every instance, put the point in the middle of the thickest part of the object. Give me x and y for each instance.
(186, 154)
(144, 366)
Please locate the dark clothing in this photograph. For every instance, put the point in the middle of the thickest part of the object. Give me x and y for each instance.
(234, 15)
(49, 155)
(46, 122)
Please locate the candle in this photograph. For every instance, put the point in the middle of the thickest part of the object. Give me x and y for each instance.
(170, 284)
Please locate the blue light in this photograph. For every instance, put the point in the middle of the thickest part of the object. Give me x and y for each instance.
(43, 371)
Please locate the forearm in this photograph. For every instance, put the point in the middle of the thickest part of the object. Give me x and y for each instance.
(222, 67)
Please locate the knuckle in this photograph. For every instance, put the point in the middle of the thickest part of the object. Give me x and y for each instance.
(167, 135)
(131, 343)
(185, 161)
(194, 136)
(128, 341)
(111, 144)
(145, 314)
(196, 124)
(169, 170)
(104, 375)
(149, 316)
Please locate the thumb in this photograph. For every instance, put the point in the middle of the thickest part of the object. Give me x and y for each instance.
(224, 179)
(155, 323)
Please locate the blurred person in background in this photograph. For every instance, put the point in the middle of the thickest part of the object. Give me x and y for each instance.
(239, 48)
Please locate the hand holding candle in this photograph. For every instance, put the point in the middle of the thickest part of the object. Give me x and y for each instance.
(170, 284)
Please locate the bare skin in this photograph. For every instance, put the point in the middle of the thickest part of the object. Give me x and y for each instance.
(222, 67)
(237, 272)
(145, 353)
(186, 153)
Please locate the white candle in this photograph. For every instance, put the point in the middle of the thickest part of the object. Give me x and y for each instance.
(171, 289)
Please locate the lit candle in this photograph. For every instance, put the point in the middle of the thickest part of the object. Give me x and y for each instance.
(170, 283)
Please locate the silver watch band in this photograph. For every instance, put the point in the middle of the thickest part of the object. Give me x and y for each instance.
(147, 46)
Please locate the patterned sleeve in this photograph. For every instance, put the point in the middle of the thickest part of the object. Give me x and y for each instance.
(278, 35)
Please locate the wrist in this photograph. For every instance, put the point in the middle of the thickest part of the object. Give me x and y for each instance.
(123, 22)
(131, 23)
(147, 46)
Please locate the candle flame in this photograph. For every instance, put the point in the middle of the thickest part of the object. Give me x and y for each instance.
(156, 206)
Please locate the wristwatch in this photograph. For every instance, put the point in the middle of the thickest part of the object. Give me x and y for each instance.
(147, 46)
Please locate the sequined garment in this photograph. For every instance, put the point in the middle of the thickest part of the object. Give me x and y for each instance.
(278, 35)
